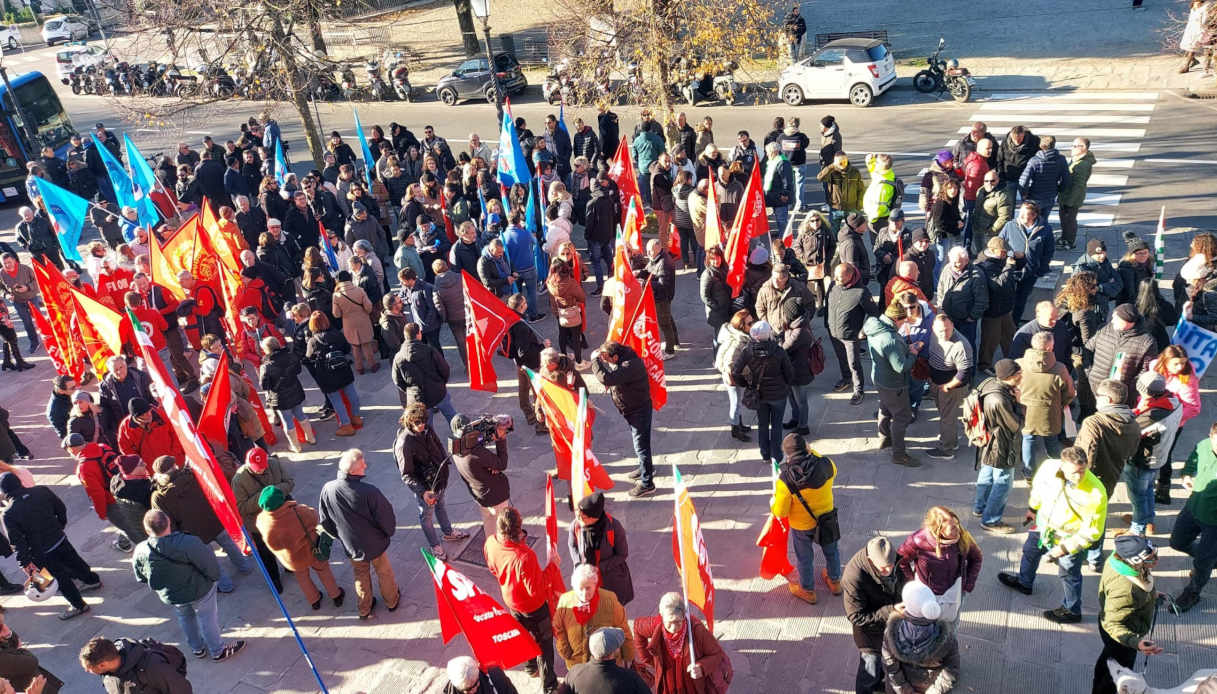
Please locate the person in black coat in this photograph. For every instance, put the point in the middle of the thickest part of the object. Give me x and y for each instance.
(610, 133)
(997, 324)
(849, 304)
(661, 270)
(872, 585)
(524, 347)
(797, 341)
(481, 461)
(328, 350)
(465, 676)
(250, 220)
(922, 252)
(599, 539)
(209, 175)
(764, 367)
(603, 216)
(279, 378)
(715, 292)
(624, 374)
(56, 169)
(300, 225)
(421, 373)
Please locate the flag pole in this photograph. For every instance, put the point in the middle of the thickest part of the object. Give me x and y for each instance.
(308, 658)
(680, 543)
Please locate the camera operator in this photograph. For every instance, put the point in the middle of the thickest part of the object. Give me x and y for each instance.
(422, 462)
(481, 467)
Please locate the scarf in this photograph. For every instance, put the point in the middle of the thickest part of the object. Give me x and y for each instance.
(583, 613)
(675, 643)
(591, 536)
(1162, 402)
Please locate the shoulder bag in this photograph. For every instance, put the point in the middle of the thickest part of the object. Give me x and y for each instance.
(321, 542)
(828, 529)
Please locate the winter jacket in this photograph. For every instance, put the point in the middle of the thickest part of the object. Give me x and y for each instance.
(1073, 191)
(731, 343)
(116, 394)
(845, 188)
(330, 342)
(247, 485)
(611, 556)
(421, 373)
(764, 366)
(797, 340)
(1158, 420)
(181, 498)
(662, 271)
(483, 472)
(943, 219)
(963, 295)
(993, 210)
(33, 523)
(494, 273)
(448, 296)
(519, 245)
(810, 475)
(925, 268)
(870, 598)
(627, 382)
(852, 249)
(603, 215)
(940, 565)
(880, 195)
(524, 345)
(367, 230)
(932, 181)
(815, 248)
(891, 360)
(351, 305)
(566, 292)
(1076, 515)
(1044, 176)
(279, 378)
(716, 295)
(1036, 244)
(830, 144)
(671, 674)
(778, 184)
(1131, 274)
(1201, 466)
(570, 637)
(179, 567)
(1004, 423)
(1002, 284)
(920, 656)
(289, 532)
(1110, 437)
(1111, 285)
(1044, 391)
(358, 514)
(1062, 337)
(781, 307)
(58, 410)
(420, 460)
(1127, 603)
(848, 309)
(1012, 157)
(149, 441)
(974, 169)
(514, 565)
(1137, 349)
(661, 188)
(94, 464)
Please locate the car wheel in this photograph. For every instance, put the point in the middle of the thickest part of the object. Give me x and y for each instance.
(448, 96)
(792, 94)
(490, 94)
(860, 95)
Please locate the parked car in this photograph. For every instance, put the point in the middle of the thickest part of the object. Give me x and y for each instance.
(856, 69)
(79, 55)
(472, 80)
(10, 37)
(68, 27)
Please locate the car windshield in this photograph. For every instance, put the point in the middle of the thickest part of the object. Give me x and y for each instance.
(65, 56)
(877, 53)
(40, 105)
(52, 26)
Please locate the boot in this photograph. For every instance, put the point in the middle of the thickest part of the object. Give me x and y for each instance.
(357, 421)
(739, 433)
(345, 430)
(309, 435)
(292, 441)
(1188, 61)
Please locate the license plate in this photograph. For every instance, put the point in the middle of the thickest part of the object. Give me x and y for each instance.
(11, 192)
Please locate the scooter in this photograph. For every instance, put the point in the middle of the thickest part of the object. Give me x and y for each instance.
(720, 86)
(944, 75)
(76, 80)
(376, 84)
(399, 75)
(125, 80)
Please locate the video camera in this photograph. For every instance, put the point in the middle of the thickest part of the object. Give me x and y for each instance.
(485, 428)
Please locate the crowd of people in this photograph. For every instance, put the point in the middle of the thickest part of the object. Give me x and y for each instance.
(1088, 392)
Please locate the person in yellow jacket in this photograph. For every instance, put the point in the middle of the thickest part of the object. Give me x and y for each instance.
(880, 196)
(802, 494)
(1069, 506)
(582, 610)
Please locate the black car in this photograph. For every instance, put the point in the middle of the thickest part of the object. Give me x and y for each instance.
(472, 80)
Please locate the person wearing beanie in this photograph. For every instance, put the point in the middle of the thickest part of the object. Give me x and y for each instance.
(1159, 416)
(765, 371)
(287, 531)
(925, 255)
(851, 247)
(803, 495)
(1110, 282)
(892, 359)
(890, 240)
(1122, 349)
(602, 673)
(34, 519)
(145, 432)
(1137, 264)
(259, 472)
(465, 676)
(998, 458)
(1127, 606)
(850, 303)
(873, 587)
(920, 653)
(599, 539)
(662, 642)
(941, 170)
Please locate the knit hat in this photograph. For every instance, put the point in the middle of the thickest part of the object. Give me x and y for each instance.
(72, 440)
(592, 505)
(138, 406)
(256, 459)
(1133, 548)
(1150, 384)
(896, 215)
(1005, 368)
(793, 444)
(920, 235)
(854, 220)
(271, 498)
(879, 551)
(761, 330)
(896, 311)
(82, 395)
(1136, 243)
(604, 642)
(919, 601)
(1095, 245)
(758, 256)
(1127, 312)
(944, 156)
(128, 463)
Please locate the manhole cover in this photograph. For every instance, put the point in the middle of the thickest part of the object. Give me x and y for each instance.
(474, 554)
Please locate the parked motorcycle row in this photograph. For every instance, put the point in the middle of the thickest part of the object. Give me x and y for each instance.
(688, 86)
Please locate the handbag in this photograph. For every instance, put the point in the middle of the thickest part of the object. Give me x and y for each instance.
(815, 358)
(322, 543)
(828, 529)
(570, 317)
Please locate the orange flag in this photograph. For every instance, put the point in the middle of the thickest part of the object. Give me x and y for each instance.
(689, 551)
(561, 409)
(553, 557)
(163, 273)
(224, 238)
(99, 328)
(775, 561)
(632, 226)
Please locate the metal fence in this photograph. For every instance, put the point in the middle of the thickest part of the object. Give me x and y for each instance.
(356, 8)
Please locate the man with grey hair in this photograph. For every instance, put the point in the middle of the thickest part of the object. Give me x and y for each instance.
(963, 293)
(359, 514)
(602, 673)
(778, 185)
(465, 676)
(872, 587)
(661, 269)
(251, 220)
(951, 369)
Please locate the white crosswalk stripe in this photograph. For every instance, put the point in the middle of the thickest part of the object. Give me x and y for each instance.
(1027, 118)
(1061, 133)
(1066, 96)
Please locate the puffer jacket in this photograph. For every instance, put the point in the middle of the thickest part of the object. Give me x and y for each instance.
(329, 380)
(1044, 391)
(731, 342)
(993, 209)
(963, 296)
(852, 249)
(848, 309)
(603, 215)
(1073, 192)
(421, 372)
(1110, 437)
(279, 378)
(940, 565)
(1044, 176)
(764, 366)
(1002, 284)
(781, 307)
(716, 295)
(449, 297)
(870, 598)
(1137, 347)
(920, 656)
(1076, 515)
(1012, 157)
(1005, 424)
(891, 360)
(1127, 603)
(494, 273)
(662, 271)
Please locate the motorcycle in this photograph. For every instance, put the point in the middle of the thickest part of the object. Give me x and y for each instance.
(350, 90)
(945, 75)
(558, 86)
(125, 82)
(399, 74)
(721, 86)
(76, 79)
(376, 84)
(219, 83)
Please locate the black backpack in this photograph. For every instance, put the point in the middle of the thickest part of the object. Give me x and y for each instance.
(152, 649)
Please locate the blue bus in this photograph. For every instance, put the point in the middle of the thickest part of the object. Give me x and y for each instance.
(40, 104)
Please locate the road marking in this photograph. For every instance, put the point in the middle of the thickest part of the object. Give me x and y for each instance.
(896, 154)
(1050, 118)
(1078, 132)
(1107, 180)
(1108, 96)
(912, 190)
(1209, 162)
(1063, 106)
(1101, 146)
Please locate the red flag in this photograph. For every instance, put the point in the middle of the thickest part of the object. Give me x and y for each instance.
(621, 171)
(448, 228)
(631, 227)
(43, 326)
(643, 338)
(736, 256)
(627, 294)
(195, 450)
(495, 637)
(213, 421)
(751, 213)
(674, 242)
(487, 320)
(57, 297)
(774, 559)
(714, 225)
(553, 558)
(689, 551)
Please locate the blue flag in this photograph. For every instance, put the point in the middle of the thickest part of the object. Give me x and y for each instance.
(513, 167)
(281, 169)
(331, 259)
(562, 118)
(67, 211)
(124, 190)
(540, 257)
(367, 152)
(143, 182)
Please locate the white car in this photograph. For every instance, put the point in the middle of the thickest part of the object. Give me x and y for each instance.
(10, 37)
(65, 28)
(77, 55)
(853, 69)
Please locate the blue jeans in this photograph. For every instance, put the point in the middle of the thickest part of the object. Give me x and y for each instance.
(644, 188)
(340, 410)
(769, 429)
(798, 398)
(527, 283)
(640, 431)
(992, 488)
(1199, 541)
(287, 417)
(781, 215)
(1071, 571)
(23, 309)
(200, 621)
(445, 408)
(800, 173)
(238, 560)
(601, 253)
(805, 555)
(734, 394)
(1052, 444)
(1140, 483)
(427, 512)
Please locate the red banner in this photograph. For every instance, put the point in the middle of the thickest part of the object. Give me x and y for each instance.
(643, 337)
(217, 410)
(750, 216)
(621, 171)
(49, 341)
(57, 297)
(487, 321)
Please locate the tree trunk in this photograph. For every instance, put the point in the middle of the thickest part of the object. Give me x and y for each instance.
(469, 35)
(311, 135)
(314, 29)
(297, 84)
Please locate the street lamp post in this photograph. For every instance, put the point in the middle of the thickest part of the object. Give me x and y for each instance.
(481, 10)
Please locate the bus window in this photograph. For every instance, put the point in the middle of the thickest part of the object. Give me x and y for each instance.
(41, 105)
(10, 156)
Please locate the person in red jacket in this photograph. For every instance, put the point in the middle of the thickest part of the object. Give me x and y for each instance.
(158, 298)
(145, 432)
(96, 463)
(113, 283)
(152, 323)
(248, 343)
(525, 590)
(661, 643)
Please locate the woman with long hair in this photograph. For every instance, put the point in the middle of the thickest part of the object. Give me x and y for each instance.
(944, 222)
(1205, 244)
(944, 557)
(1182, 382)
(1087, 314)
(733, 337)
(569, 303)
(1155, 311)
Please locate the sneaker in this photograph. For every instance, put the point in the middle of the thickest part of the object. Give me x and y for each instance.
(977, 514)
(201, 653)
(228, 651)
(640, 490)
(342, 594)
(842, 386)
(1187, 599)
(807, 596)
(122, 544)
(856, 399)
(1095, 566)
(72, 612)
(998, 528)
(1010, 580)
(1060, 615)
(940, 453)
(90, 587)
(325, 415)
(803, 431)
(834, 587)
(635, 475)
(456, 536)
(440, 554)
(905, 459)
